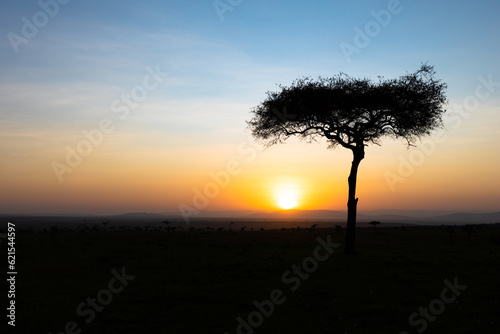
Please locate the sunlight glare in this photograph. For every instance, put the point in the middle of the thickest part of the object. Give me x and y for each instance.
(287, 197)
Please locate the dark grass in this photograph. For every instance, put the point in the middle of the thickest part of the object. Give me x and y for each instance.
(195, 282)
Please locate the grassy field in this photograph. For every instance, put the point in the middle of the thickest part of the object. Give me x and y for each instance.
(195, 282)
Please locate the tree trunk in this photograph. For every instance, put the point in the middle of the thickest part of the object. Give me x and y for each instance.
(352, 202)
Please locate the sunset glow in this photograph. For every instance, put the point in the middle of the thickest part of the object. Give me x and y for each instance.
(287, 197)
(147, 112)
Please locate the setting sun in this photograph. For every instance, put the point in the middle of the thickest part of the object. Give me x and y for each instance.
(287, 197)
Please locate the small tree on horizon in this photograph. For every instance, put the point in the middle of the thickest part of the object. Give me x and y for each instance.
(374, 224)
(352, 113)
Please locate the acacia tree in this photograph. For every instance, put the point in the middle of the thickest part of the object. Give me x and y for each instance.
(352, 113)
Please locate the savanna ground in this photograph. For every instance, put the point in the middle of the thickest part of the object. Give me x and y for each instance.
(198, 282)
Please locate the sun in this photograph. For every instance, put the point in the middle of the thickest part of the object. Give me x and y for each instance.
(287, 197)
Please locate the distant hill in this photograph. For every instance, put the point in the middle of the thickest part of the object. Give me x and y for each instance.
(493, 217)
(321, 217)
(138, 216)
(299, 214)
(423, 217)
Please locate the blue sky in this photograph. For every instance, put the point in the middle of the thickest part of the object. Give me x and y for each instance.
(110, 41)
(67, 76)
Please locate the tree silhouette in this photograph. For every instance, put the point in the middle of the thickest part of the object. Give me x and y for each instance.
(352, 113)
(374, 224)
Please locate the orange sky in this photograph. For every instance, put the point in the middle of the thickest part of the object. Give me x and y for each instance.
(125, 175)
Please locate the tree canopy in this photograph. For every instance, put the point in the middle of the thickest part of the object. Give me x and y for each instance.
(352, 112)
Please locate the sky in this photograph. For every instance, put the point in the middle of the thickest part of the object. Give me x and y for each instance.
(109, 107)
